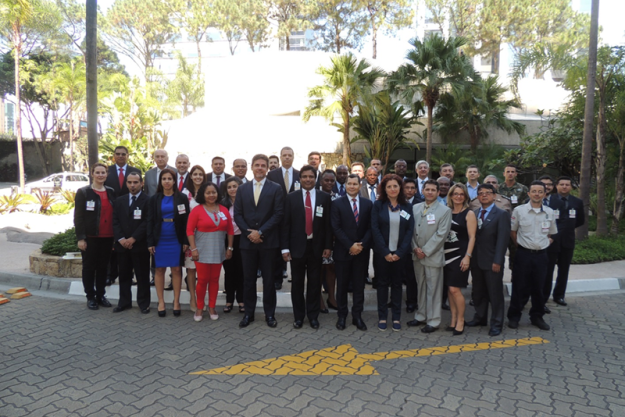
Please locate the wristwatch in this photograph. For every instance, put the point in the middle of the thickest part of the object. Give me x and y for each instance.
(230, 248)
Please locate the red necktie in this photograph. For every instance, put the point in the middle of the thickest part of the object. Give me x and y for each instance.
(355, 210)
(482, 214)
(121, 178)
(181, 185)
(309, 215)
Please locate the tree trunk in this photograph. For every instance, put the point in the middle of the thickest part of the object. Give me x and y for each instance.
(346, 146)
(584, 189)
(71, 137)
(428, 144)
(495, 54)
(288, 42)
(602, 221)
(374, 33)
(618, 196)
(18, 113)
(337, 40)
(199, 58)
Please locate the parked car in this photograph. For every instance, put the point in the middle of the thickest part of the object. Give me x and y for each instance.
(60, 181)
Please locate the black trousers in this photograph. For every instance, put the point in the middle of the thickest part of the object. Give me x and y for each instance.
(488, 289)
(352, 271)
(253, 260)
(279, 267)
(530, 270)
(95, 262)
(412, 295)
(389, 275)
(134, 263)
(233, 274)
(563, 259)
(306, 273)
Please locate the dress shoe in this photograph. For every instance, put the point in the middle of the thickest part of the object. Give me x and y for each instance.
(162, 313)
(429, 329)
(152, 283)
(396, 326)
(246, 321)
(494, 332)
(513, 324)
(297, 324)
(340, 323)
(451, 328)
(382, 326)
(145, 310)
(445, 306)
(271, 321)
(410, 308)
(360, 325)
(92, 304)
(331, 306)
(170, 287)
(547, 310)
(278, 285)
(540, 323)
(119, 309)
(415, 323)
(560, 302)
(314, 323)
(475, 323)
(103, 302)
(325, 311)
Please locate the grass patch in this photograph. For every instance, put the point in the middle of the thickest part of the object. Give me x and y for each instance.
(599, 249)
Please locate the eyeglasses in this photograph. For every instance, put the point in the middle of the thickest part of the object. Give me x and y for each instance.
(485, 193)
(457, 195)
(492, 182)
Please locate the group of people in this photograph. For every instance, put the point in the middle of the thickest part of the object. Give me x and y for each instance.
(430, 235)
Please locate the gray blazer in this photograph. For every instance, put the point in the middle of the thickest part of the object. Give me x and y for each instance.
(431, 237)
(491, 239)
(151, 182)
(364, 190)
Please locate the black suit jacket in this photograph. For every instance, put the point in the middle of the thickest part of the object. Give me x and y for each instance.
(277, 177)
(293, 230)
(335, 187)
(380, 228)
(112, 179)
(209, 177)
(346, 231)
(491, 240)
(126, 226)
(566, 225)
(417, 199)
(155, 218)
(265, 217)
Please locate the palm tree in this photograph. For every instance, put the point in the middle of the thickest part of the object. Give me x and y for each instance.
(474, 109)
(435, 66)
(16, 13)
(384, 124)
(347, 84)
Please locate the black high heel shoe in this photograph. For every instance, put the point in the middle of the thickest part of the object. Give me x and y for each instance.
(458, 332)
(177, 313)
(162, 313)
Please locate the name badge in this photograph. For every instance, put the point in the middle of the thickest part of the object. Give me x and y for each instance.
(431, 218)
(556, 214)
(137, 214)
(222, 216)
(514, 199)
(319, 212)
(297, 186)
(479, 223)
(572, 213)
(545, 226)
(181, 209)
(404, 215)
(90, 205)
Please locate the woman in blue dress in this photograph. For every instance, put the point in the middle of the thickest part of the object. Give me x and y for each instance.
(168, 211)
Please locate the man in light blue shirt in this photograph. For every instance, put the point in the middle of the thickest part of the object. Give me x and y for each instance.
(473, 173)
(443, 189)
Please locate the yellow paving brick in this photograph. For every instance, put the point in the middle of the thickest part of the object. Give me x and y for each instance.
(20, 295)
(16, 290)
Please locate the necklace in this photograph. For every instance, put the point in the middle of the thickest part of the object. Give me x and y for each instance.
(393, 208)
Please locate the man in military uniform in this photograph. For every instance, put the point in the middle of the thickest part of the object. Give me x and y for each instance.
(500, 201)
(533, 226)
(517, 194)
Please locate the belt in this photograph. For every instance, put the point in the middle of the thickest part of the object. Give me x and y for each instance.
(168, 220)
(532, 250)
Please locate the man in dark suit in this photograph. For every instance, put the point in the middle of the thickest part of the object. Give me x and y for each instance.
(569, 214)
(314, 160)
(129, 228)
(413, 198)
(369, 188)
(218, 176)
(287, 178)
(306, 239)
(341, 176)
(492, 237)
(351, 225)
(152, 175)
(116, 178)
(258, 211)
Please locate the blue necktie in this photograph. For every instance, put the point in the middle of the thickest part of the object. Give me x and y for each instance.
(372, 193)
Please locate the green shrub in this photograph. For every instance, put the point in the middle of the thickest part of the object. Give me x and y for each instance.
(60, 208)
(599, 249)
(61, 243)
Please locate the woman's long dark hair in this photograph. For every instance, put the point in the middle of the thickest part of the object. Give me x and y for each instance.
(173, 174)
(225, 201)
(189, 184)
(401, 198)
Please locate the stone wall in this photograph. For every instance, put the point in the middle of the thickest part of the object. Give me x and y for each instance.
(54, 266)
